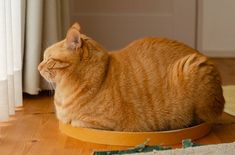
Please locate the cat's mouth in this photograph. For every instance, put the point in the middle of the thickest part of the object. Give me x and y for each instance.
(48, 75)
(50, 78)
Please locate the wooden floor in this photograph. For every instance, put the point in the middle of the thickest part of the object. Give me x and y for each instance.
(34, 128)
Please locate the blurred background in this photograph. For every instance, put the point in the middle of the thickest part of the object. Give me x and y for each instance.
(207, 25)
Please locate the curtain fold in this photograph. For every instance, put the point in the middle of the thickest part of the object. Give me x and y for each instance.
(46, 21)
(33, 45)
(10, 57)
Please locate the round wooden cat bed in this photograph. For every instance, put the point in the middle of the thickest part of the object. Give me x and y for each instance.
(135, 138)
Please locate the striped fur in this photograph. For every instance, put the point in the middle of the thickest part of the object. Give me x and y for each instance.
(152, 84)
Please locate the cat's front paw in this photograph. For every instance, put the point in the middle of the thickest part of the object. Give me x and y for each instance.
(78, 123)
(65, 120)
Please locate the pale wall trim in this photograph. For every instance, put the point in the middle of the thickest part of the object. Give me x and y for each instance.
(219, 53)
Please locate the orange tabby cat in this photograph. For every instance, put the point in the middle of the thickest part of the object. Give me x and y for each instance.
(152, 84)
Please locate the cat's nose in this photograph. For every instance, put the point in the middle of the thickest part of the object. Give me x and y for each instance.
(40, 66)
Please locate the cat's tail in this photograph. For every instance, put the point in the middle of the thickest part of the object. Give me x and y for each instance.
(201, 79)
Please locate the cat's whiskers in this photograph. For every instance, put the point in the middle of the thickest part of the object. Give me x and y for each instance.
(52, 89)
(52, 85)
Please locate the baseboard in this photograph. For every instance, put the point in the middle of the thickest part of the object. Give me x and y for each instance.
(219, 53)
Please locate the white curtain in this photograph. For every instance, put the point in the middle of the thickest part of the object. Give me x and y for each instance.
(27, 27)
(46, 22)
(10, 57)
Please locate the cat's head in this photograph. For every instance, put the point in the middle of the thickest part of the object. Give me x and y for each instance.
(70, 56)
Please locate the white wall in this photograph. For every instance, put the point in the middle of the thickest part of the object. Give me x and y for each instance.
(217, 27)
(115, 23)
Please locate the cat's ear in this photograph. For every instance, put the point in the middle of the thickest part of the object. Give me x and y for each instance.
(76, 26)
(73, 37)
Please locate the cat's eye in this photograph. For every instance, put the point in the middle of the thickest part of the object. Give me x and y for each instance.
(50, 64)
(57, 64)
